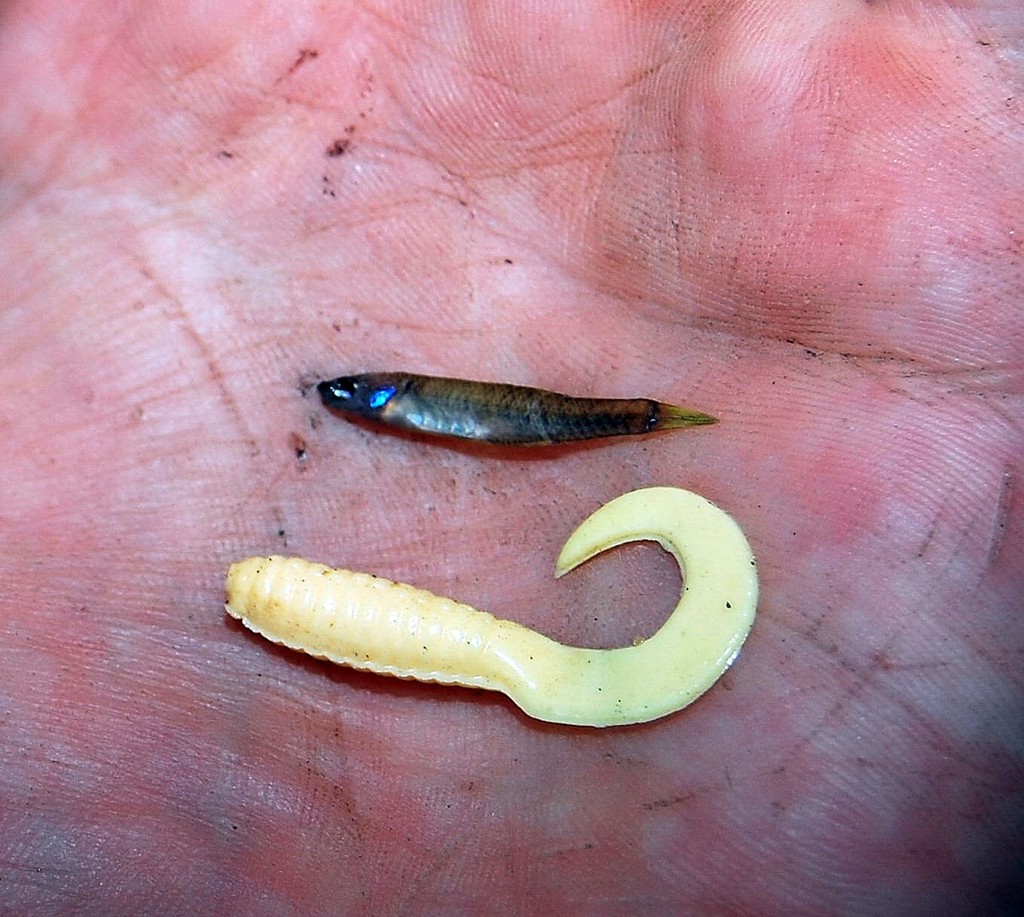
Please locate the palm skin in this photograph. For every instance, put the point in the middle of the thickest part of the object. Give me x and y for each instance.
(802, 219)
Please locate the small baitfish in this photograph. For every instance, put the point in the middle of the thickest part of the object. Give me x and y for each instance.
(494, 412)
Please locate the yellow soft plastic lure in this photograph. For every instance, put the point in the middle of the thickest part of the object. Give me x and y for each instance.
(371, 623)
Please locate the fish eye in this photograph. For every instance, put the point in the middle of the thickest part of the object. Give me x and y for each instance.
(381, 396)
(339, 389)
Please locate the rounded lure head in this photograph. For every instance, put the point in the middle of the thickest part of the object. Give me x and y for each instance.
(365, 395)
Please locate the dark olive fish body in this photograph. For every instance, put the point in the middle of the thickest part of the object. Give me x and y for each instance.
(494, 412)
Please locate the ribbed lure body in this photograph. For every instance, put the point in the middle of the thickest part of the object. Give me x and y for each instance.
(494, 412)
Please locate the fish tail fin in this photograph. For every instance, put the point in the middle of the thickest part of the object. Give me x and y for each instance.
(673, 417)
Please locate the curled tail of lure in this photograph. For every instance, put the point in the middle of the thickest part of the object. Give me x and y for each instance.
(673, 417)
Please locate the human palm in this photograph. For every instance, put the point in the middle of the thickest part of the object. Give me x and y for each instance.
(802, 219)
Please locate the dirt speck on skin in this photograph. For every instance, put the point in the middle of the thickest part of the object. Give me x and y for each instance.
(307, 382)
(300, 449)
(341, 144)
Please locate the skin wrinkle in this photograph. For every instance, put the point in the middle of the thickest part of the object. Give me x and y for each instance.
(864, 680)
(206, 350)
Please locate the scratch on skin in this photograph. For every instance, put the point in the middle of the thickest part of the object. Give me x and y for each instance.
(668, 801)
(304, 56)
(1007, 492)
(929, 536)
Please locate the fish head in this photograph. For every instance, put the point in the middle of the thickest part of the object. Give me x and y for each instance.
(366, 395)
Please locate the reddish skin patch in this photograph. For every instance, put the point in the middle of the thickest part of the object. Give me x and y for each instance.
(677, 203)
